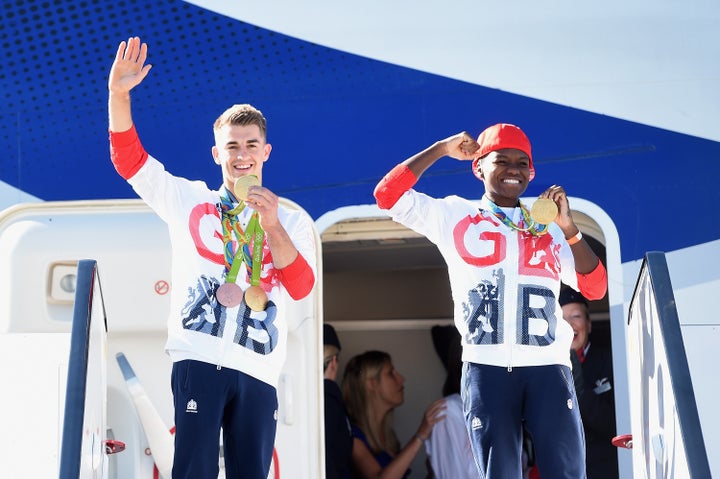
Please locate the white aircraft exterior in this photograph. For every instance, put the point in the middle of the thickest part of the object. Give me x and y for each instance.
(619, 100)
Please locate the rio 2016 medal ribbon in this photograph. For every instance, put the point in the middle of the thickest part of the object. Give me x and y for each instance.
(544, 211)
(242, 186)
(229, 295)
(527, 225)
(256, 298)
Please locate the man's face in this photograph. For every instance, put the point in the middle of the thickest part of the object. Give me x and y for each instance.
(577, 316)
(506, 174)
(240, 150)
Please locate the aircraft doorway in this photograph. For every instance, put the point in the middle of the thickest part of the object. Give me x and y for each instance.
(385, 287)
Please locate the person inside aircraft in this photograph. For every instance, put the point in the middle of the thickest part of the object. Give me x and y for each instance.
(505, 266)
(338, 432)
(372, 389)
(448, 448)
(596, 396)
(239, 259)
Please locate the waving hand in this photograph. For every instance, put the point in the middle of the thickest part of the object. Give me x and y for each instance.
(128, 69)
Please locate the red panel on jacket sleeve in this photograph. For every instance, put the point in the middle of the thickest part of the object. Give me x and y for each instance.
(593, 285)
(393, 185)
(126, 152)
(297, 277)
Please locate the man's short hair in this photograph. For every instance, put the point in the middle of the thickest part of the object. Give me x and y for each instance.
(243, 115)
(329, 351)
(330, 337)
(331, 344)
(569, 295)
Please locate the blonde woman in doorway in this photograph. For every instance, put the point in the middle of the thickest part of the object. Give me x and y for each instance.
(372, 389)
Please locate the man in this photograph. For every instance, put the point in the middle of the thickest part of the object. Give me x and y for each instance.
(338, 432)
(236, 263)
(597, 397)
(505, 271)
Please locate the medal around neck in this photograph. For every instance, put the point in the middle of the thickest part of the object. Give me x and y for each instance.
(242, 186)
(229, 295)
(256, 298)
(544, 211)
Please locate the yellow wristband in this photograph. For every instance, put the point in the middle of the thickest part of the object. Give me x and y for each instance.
(421, 439)
(575, 239)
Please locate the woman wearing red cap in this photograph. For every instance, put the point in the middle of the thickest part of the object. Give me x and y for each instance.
(505, 270)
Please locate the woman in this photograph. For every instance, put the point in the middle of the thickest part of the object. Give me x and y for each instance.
(372, 389)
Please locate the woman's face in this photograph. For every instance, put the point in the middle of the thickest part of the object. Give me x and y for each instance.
(389, 385)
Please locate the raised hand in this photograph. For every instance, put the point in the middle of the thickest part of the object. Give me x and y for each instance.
(461, 146)
(564, 218)
(129, 68)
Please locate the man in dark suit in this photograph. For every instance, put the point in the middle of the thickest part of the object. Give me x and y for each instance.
(597, 397)
(338, 433)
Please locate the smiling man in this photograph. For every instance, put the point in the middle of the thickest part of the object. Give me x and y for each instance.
(238, 258)
(505, 271)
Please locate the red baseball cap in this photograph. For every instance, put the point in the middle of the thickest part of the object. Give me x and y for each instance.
(500, 136)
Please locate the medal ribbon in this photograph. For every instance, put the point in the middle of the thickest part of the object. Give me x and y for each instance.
(254, 233)
(534, 228)
(255, 264)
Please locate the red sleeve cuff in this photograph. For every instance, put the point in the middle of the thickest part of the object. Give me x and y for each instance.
(593, 285)
(297, 277)
(126, 152)
(393, 185)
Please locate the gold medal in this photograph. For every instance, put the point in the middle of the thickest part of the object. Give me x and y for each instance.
(544, 211)
(229, 295)
(255, 298)
(243, 184)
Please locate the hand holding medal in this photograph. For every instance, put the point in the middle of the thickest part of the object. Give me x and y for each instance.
(242, 186)
(544, 211)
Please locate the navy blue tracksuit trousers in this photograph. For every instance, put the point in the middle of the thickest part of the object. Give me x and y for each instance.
(496, 400)
(208, 398)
